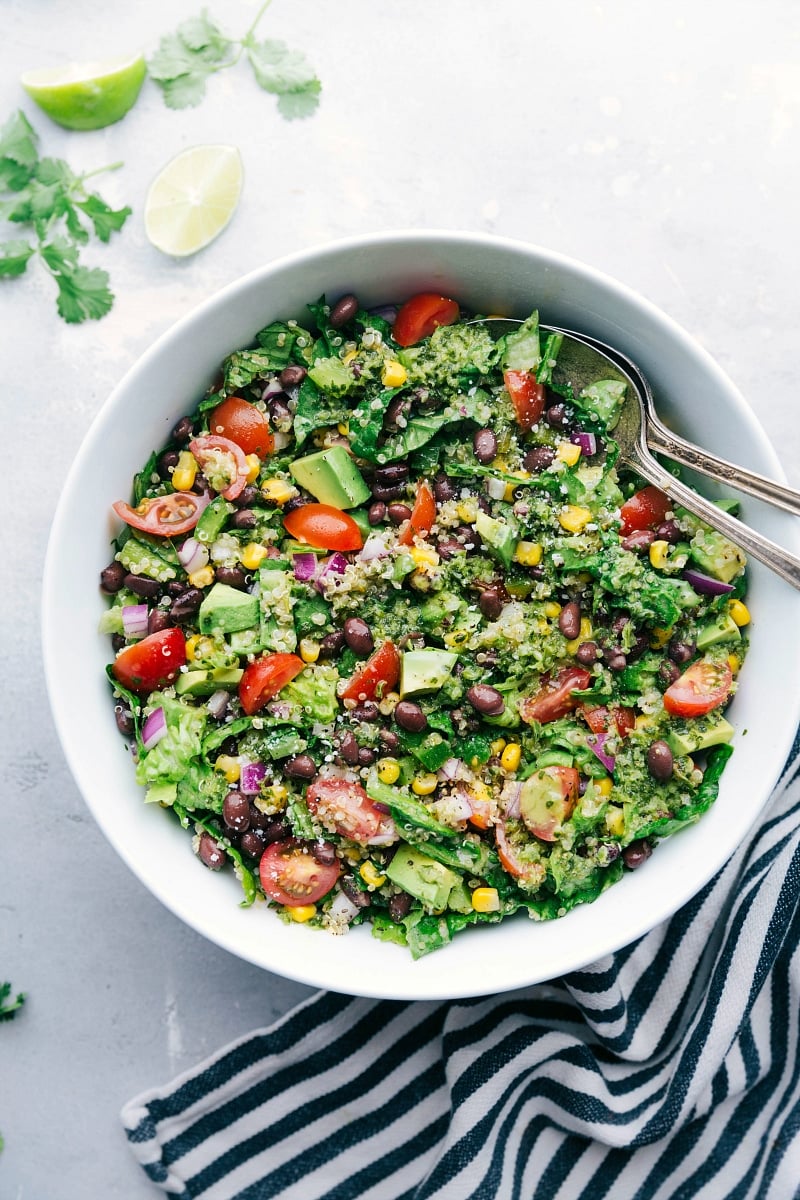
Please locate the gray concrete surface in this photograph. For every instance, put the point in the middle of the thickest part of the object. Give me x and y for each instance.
(658, 142)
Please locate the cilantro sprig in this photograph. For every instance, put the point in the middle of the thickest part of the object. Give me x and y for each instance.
(186, 59)
(9, 1005)
(60, 214)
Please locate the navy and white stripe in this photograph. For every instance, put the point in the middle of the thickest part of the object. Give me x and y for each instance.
(670, 1069)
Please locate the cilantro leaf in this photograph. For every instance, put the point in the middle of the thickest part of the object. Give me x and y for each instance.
(14, 258)
(19, 152)
(83, 292)
(9, 1007)
(105, 219)
(285, 73)
(185, 59)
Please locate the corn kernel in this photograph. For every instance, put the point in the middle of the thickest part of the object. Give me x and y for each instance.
(191, 645)
(660, 638)
(231, 768)
(456, 638)
(185, 472)
(643, 721)
(510, 758)
(574, 517)
(498, 746)
(552, 610)
(388, 703)
(349, 356)
(735, 663)
(394, 374)
(659, 552)
(301, 912)
(309, 650)
(371, 876)
(424, 556)
(278, 491)
(279, 793)
(252, 555)
(583, 636)
(424, 785)
(528, 554)
(740, 613)
(568, 453)
(201, 578)
(486, 900)
(615, 820)
(253, 467)
(603, 786)
(344, 428)
(388, 770)
(467, 510)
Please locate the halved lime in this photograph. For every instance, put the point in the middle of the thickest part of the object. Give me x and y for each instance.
(192, 200)
(87, 95)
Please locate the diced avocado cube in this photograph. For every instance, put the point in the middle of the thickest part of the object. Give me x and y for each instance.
(716, 555)
(161, 793)
(689, 740)
(500, 537)
(429, 881)
(331, 476)
(226, 609)
(205, 683)
(724, 629)
(425, 670)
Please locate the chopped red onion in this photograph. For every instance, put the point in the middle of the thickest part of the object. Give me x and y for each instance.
(272, 388)
(509, 799)
(134, 620)
(193, 555)
(335, 565)
(596, 744)
(586, 441)
(343, 907)
(305, 566)
(374, 547)
(387, 312)
(495, 488)
(454, 768)
(460, 806)
(154, 728)
(217, 703)
(280, 439)
(251, 777)
(706, 583)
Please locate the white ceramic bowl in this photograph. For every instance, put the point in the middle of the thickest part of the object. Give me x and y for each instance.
(488, 274)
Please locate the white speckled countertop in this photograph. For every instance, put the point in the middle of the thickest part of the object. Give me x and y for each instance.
(660, 144)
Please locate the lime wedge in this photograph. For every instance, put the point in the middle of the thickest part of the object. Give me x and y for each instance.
(87, 95)
(193, 199)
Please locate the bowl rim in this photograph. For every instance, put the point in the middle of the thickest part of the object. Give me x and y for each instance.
(451, 240)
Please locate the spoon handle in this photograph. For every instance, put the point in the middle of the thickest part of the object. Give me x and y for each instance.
(663, 441)
(755, 544)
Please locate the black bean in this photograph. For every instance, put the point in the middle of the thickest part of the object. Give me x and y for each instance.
(331, 644)
(492, 601)
(392, 474)
(679, 651)
(569, 620)
(348, 748)
(486, 700)
(669, 531)
(376, 513)
(112, 577)
(447, 547)
(158, 619)
(409, 716)
(366, 757)
(252, 843)
(443, 489)
(389, 740)
(167, 462)
(660, 761)
(387, 492)
(343, 310)
(368, 711)
(279, 414)
(398, 513)
(292, 376)
(638, 852)
(358, 636)
(118, 642)
(229, 747)
(176, 587)
(668, 672)
(323, 852)
(183, 430)
(236, 811)
(184, 608)
(353, 892)
(234, 577)
(210, 852)
(294, 503)
(484, 445)
(142, 585)
(639, 539)
(469, 538)
(587, 653)
(302, 766)
(124, 718)
(616, 660)
(244, 518)
(248, 496)
(538, 459)
(399, 906)
(556, 416)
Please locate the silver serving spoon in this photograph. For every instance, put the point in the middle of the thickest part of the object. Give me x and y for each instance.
(582, 361)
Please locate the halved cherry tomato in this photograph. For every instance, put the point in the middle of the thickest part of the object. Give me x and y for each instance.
(291, 875)
(151, 663)
(645, 509)
(554, 699)
(222, 462)
(423, 514)
(243, 424)
(165, 516)
(527, 396)
(599, 718)
(375, 677)
(705, 685)
(420, 315)
(265, 677)
(323, 526)
(344, 807)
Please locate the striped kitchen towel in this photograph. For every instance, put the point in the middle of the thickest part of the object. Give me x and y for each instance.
(670, 1069)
